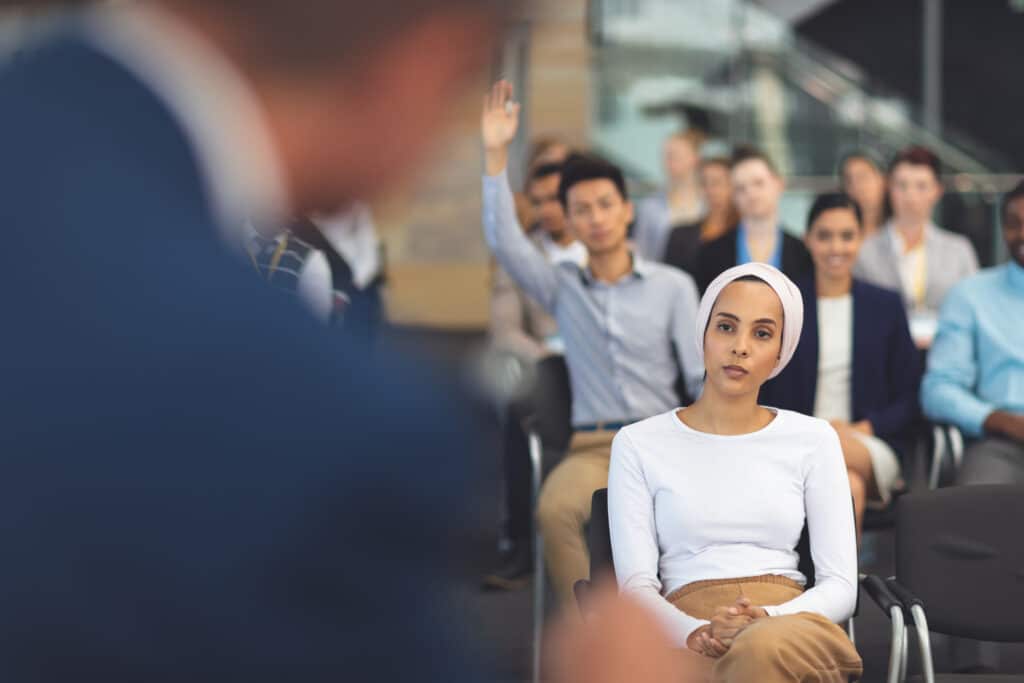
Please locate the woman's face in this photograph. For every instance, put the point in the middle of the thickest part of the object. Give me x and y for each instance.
(834, 241)
(864, 182)
(743, 339)
(914, 191)
(717, 186)
(681, 158)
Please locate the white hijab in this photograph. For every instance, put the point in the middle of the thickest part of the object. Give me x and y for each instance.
(788, 293)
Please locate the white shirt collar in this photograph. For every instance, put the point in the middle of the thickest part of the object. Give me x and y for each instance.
(212, 103)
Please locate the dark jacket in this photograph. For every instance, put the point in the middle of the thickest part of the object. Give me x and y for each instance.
(682, 248)
(720, 254)
(198, 482)
(886, 372)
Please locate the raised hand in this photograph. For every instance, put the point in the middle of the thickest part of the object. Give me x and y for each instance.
(500, 119)
(498, 125)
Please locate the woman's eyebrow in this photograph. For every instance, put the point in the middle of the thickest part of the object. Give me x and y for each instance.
(766, 321)
(723, 314)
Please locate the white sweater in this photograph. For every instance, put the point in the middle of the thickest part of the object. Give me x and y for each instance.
(688, 506)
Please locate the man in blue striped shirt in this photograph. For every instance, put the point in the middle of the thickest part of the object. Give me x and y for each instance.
(627, 325)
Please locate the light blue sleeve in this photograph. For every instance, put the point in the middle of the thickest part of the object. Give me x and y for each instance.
(513, 249)
(948, 390)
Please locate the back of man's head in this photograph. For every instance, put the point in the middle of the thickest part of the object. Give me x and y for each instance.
(355, 92)
(323, 33)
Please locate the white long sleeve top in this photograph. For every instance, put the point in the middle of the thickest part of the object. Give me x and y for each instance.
(687, 506)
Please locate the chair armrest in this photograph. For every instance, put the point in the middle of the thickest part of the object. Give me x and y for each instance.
(880, 593)
(914, 613)
(903, 595)
(893, 608)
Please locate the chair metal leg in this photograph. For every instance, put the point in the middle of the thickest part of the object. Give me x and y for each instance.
(904, 654)
(897, 646)
(536, 465)
(850, 631)
(925, 643)
(938, 452)
(956, 446)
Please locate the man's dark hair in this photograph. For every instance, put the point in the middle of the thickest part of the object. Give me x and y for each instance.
(1016, 193)
(918, 156)
(833, 200)
(749, 153)
(544, 171)
(579, 168)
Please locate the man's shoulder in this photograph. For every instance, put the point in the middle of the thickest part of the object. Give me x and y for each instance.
(979, 286)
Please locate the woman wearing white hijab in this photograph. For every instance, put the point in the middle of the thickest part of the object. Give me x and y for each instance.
(707, 503)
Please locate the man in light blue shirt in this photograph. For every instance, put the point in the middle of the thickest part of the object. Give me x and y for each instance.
(975, 377)
(627, 326)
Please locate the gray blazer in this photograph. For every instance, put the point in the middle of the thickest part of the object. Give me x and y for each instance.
(949, 259)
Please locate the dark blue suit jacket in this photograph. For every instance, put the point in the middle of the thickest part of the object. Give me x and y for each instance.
(196, 484)
(886, 372)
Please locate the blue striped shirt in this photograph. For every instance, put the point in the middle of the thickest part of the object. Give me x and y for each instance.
(625, 342)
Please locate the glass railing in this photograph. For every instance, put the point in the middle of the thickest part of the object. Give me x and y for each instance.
(744, 76)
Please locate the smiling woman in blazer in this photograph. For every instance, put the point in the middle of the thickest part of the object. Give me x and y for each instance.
(856, 364)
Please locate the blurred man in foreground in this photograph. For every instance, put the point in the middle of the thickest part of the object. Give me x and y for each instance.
(196, 484)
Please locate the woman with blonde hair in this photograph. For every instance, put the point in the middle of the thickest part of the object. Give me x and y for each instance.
(707, 504)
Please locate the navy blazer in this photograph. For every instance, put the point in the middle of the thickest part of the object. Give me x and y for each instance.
(886, 372)
(197, 483)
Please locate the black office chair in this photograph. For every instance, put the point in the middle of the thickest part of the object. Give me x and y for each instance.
(599, 543)
(959, 552)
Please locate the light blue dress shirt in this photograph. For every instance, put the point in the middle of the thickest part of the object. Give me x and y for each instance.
(976, 363)
(624, 341)
(743, 251)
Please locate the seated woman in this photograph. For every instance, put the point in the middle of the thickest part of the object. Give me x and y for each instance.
(707, 503)
(856, 364)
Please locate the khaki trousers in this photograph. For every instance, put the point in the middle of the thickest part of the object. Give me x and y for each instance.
(796, 648)
(563, 508)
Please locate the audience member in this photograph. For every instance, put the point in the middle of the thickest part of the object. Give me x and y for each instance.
(680, 203)
(911, 254)
(521, 326)
(627, 325)
(199, 482)
(294, 266)
(707, 503)
(684, 241)
(856, 364)
(861, 177)
(975, 376)
(757, 188)
(544, 151)
(349, 240)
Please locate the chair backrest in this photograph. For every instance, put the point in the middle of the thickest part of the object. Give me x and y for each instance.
(552, 402)
(599, 541)
(961, 551)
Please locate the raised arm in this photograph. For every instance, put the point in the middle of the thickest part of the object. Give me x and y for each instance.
(514, 251)
(833, 537)
(635, 540)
